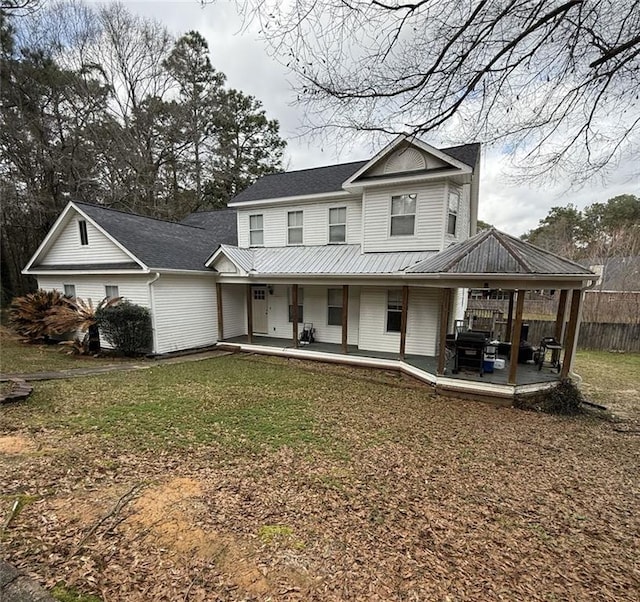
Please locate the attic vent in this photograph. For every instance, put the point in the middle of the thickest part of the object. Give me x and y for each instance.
(408, 159)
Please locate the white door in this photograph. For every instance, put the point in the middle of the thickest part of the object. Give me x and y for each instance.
(260, 305)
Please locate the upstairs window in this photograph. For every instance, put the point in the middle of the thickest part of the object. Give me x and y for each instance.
(403, 215)
(70, 291)
(394, 310)
(294, 234)
(111, 292)
(84, 237)
(454, 204)
(256, 231)
(300, 305)
(338, 225)
(334, 304)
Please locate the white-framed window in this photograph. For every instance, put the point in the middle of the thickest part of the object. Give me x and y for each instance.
(84, 236)
(70, 291)
(403, 215)
(300, 304)
(334, 307)
(111, 291)
(394, 310)
(454, 205)
(294, 232)
(337, 225)
(256, 230)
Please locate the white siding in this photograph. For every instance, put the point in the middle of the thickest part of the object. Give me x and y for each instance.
(315, 223)
(134, 288)
(429, 218)
(422, 322)
(315, 310)
(66, 249)
(234, 310)
(186, 314)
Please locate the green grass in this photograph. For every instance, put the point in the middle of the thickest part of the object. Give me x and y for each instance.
(18, 357)
(227, 400)
(62, 593)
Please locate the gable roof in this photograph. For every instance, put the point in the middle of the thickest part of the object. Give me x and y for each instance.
(150, 242)
(221, 225)
(493, 252)
(329, 179)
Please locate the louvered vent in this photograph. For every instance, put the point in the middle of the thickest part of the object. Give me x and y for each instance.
(408, 159)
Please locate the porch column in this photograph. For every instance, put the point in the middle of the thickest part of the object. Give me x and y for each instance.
(509, 318)
(220, 312)
(515, 342)
(444, 326)
(571, 341)
(249, 313)
(345, 318)
(294, 314)
(403, 320)
(562, 310)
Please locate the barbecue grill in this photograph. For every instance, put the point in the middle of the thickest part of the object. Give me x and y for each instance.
(470, 348)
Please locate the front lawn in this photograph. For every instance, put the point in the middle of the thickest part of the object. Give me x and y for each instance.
(18, 357)
(256, 478)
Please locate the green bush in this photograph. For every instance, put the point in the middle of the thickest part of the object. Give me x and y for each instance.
(127, 327)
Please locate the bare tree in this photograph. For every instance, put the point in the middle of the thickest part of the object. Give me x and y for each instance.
(554, 81)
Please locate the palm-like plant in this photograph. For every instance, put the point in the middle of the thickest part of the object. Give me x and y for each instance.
(78, 315)
(28, 314)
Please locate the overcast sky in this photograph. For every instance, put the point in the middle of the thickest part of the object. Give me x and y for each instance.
(242, 57)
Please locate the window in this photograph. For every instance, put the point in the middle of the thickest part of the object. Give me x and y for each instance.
(403, 215)
(84, 237)
(300, 304)
(394, 310)
(70, 291)
(295, 228)
(338, 225)
(111, 292)
(454, 202)
(256, 231)
(334, 304)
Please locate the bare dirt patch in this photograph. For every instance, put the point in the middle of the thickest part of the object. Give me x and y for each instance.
(16, 444)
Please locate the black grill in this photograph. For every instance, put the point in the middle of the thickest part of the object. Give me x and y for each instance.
(470, 348)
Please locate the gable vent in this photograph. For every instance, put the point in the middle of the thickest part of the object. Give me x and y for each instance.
(409, 159)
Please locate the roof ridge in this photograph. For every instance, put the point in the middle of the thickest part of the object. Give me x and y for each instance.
(481, 237)
(502, 238)
(312, 168)
(520, 241)
(130, 213)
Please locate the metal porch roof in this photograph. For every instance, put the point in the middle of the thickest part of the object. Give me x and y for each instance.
(326, 260)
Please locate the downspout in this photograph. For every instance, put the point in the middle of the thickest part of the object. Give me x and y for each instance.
(153, 311)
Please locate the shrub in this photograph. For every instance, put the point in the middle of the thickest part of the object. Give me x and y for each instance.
(564, 399)
(127, 327)
(29, 315)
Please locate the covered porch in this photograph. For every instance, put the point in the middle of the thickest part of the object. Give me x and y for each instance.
(423, 367)
(408, 319)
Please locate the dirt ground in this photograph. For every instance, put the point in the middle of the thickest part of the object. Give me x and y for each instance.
(433, 499)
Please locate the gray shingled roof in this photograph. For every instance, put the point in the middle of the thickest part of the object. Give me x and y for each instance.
(221, 224)
(157, 243)
(328, 259)
(328, 179)
(494, 252)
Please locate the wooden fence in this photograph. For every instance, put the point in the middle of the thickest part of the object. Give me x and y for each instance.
(606, 336)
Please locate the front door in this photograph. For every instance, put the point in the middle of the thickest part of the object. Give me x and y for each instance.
(260, 305)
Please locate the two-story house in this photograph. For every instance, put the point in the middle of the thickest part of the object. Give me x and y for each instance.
(339, 239)
(374, 256)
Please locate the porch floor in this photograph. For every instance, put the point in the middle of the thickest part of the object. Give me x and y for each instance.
(528, 374)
